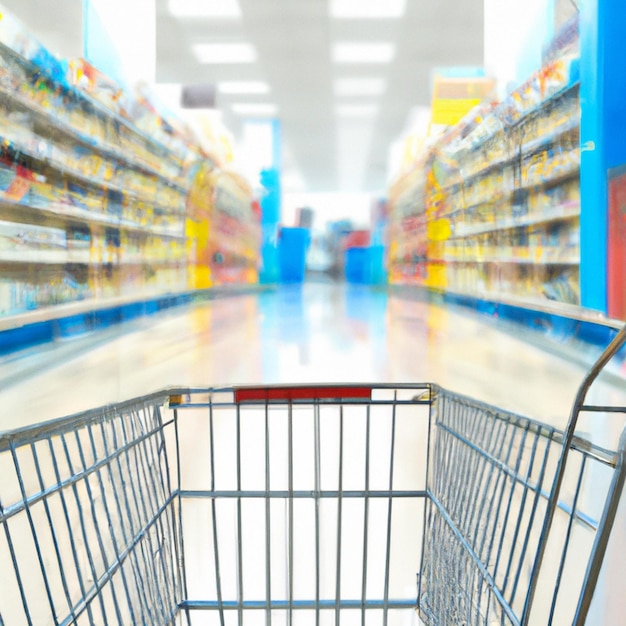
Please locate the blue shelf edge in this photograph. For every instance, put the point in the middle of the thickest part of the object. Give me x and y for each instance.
(33, 334)
(560, 329)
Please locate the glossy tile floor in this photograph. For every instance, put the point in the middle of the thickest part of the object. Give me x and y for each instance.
(314, 333)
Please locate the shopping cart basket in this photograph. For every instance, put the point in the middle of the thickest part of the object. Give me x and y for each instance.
(313, 505)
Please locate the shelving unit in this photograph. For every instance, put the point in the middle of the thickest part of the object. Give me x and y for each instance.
(95, 193)
(223, 229)
(493, 205)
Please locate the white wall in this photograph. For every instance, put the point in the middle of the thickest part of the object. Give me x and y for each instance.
(58, 24)
(121, 40)
(515, 34)
(328, 207)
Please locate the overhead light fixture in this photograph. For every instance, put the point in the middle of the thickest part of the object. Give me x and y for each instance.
(216, 53)
(346, 87)
(255, 108)
(363, 52)
(243, 87)
(205, 8)
(367, 9)
(356, 110)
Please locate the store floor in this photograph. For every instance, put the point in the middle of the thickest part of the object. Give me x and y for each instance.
(314, 333)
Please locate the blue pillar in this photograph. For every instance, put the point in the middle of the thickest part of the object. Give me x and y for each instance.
(270, 218)
(602, 134)
(271, 210)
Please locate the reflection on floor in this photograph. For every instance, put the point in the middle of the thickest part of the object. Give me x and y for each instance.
(315, 333)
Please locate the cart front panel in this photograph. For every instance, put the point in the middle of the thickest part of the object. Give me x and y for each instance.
(303, 506)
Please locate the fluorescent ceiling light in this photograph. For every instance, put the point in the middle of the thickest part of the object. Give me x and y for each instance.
(356, 110)
(205, 8)
(356, 9)
(216, 53)
(243, 87)
(363, 52)
(255, 108)
(359, 87)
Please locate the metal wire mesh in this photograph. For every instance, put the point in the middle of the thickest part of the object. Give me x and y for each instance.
(490, 477)
(87, 520)
(313, 510)
(196, 507)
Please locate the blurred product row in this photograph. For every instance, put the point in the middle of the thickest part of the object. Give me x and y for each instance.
(491, 207)
(103, 195)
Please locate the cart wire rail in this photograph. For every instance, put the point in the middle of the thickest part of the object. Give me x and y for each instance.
(352, 504)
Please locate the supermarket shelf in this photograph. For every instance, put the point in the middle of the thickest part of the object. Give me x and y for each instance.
(66, 212)
(98, 194)
(231, 248)
(79, 257)
(48, 313)
(59, 126)
(32, 329)
(539, 304)
(540, 142)
(562, 176)
(538, 109)
(556, 258)
(525, 150)
(492, 200)
(558, 213)
(570, 172)
(69, 172)
(152, 262)
(483, 188)
(543, 305)
(97, 106)
(415, 210)
(45, 257)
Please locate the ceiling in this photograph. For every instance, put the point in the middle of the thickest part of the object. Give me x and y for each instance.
(327, 144)
(329, 149)
(57, 23)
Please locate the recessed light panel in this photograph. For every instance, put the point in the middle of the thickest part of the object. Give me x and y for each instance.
(205, 8)
(346, 87)
(370, 9)
(363, 52)
(216, 53)
(255, 108)
(243, 87)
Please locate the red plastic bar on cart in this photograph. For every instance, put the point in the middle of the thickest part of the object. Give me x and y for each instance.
(263, 394)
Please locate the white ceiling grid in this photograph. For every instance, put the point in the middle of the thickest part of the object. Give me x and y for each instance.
(329, 141)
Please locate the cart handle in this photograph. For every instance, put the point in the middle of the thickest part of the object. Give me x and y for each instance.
(579, 405)
(269, 394)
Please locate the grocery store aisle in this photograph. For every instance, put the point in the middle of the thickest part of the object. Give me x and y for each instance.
(315, 333)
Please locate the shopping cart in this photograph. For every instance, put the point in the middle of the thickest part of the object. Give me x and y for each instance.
(309, 505)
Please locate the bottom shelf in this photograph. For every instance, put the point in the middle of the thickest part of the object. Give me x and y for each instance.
(537, 281)
(19, 332)
(25, 289)
(544, 305)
